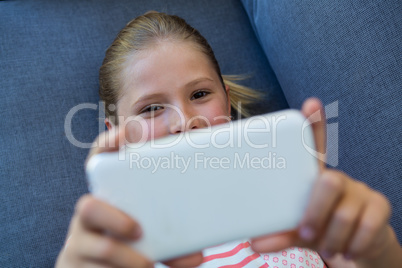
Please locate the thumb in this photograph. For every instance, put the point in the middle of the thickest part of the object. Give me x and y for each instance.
(314, 111)
(108, 141)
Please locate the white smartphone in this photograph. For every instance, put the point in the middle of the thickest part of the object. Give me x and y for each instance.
(201, 188)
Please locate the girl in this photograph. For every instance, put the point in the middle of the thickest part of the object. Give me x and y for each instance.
(158, 62)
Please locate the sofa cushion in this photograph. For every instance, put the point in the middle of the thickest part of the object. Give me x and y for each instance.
(50, 54)
(347, 53)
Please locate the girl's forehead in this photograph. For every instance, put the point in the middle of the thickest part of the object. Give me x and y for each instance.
(166, 65)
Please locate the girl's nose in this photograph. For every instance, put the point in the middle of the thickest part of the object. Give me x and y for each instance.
(184, 120)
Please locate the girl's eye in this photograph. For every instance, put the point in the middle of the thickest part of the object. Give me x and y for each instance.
(199, 94)
(151, 108)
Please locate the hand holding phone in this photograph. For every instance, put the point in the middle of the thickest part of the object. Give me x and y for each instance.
(209, 186)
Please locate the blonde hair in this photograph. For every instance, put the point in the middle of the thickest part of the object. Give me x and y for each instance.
(141, 34)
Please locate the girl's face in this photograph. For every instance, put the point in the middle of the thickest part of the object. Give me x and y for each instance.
(169, 89)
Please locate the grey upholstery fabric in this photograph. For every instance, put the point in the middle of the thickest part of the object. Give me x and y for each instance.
(50, 53)
(349, 54)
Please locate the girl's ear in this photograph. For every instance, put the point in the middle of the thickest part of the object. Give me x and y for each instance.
(227, 88)
(108, 124)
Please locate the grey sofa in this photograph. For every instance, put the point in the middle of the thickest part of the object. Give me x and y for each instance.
(347, 53)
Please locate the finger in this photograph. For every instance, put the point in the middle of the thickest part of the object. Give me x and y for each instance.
(327, 191)
(343, 221)
(313, 110)
(371, 231)
(101, 249)
(100, 216)
(108, 141)
(275, 242)
(192, 260)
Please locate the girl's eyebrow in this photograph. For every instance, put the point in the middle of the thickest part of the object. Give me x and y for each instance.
(156, 95)
(198, 80)
(147, 97)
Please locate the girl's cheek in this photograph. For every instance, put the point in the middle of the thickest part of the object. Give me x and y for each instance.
(156, 129)
(220, 120)
(217, 116)
(136, 132)
(144, 130)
